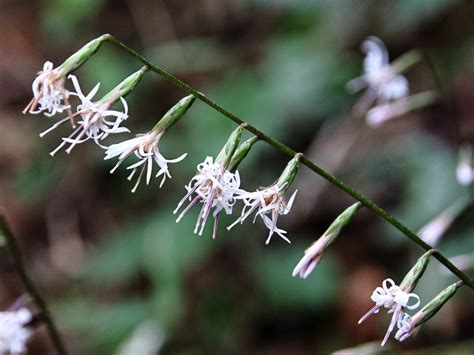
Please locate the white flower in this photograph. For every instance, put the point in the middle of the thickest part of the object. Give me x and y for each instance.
(312, 257)
(381, 81)
(48, 92)
(266, 201)
(145, 148)
(405, 327)
(213, 186)
(393, 298)
(13, 331)
(94, 123)
(465, 168)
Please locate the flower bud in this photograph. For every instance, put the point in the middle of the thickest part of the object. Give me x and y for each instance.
(240, 153)
(413, 276)
(225, 155)
(411, 325)
(81, 56)
(314, 253)
(174, 113)
(125, 87)
(288, 175)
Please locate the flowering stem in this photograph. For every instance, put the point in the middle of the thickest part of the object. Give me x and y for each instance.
(303, 159)
(15, 254)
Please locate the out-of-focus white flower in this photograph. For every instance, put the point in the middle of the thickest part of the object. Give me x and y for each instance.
(465, 168)
(49, 95)
(13, 331)
(432, 232)
(215, 187)
(94, 120)
(145, 148)
(393, 298)
(388, 111)
(381, 81)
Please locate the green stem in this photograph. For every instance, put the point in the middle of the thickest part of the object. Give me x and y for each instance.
(30, 286)
(303, 159)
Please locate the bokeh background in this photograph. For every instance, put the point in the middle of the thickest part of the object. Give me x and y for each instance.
(121, 275)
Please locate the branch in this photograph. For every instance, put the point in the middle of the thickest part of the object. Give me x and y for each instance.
(15, 254)
(304, 160)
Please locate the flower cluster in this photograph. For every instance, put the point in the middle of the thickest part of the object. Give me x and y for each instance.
(14, 332)
(216, 185)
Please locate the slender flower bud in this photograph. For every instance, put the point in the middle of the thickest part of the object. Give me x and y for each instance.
(93, 123)
(214, 186)
(410, 325)
(240, 153)
(225, 155)
(48, 87)
(432, 232)
(465, 168)
(388, 111)
(313, 254)
(270, 201)
(175, 113)
(145, 147)
(416, 272)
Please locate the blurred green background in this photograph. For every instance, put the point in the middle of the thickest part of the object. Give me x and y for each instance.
(121, 275)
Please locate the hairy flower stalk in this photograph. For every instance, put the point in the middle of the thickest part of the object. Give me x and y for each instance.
(14, 331)
(382, 80)
(270, 201)
(145, 146)
(312, 255)
(397, 298)
(408, 326)
(94, 122)
(214, 186)
(49, 94)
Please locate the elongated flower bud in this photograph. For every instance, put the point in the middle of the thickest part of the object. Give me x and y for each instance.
(288, 175)
(240, 153)
(410, 325)
(413, 276)
(81, 56)
(314, 253)
(225, 155)
(174, 113)
(125, 87)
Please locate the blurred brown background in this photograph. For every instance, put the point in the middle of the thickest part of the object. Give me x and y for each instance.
(117, 269)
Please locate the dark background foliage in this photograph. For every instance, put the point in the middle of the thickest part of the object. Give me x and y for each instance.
(116, 267)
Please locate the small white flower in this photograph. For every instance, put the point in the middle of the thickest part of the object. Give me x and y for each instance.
(381, 81)
(266, 201)
(312, 257)
(213, 186)
(94, 123)
(145, 148)
(405, 326)
(465, 168)
(13, 331)
(393, 298)
(48, 92)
